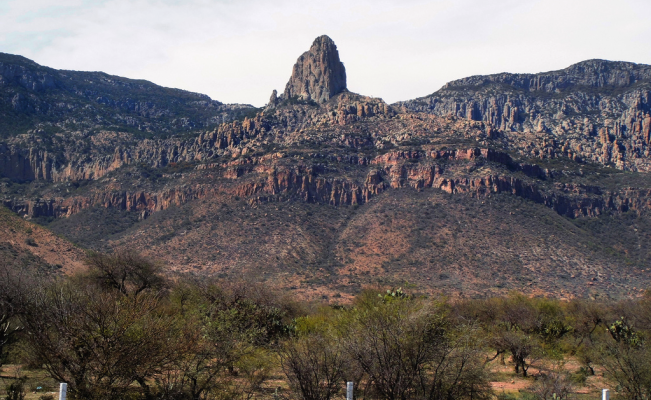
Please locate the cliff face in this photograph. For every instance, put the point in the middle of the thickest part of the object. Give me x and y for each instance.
(82, 157)
(478, 172)
(597, 111)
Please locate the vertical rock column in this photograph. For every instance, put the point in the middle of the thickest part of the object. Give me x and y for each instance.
(318, 73)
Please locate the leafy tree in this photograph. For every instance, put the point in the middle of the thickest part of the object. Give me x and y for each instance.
(527, 328)
(519, 345)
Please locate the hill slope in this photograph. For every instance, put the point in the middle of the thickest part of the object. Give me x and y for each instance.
(28, 245)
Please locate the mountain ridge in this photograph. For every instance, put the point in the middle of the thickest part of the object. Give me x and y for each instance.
(605, 118)
(35, 97)
(591, 64)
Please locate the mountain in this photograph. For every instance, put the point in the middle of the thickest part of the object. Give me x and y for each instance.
(536, 183)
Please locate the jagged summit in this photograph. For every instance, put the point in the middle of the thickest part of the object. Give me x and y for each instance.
(318, 73)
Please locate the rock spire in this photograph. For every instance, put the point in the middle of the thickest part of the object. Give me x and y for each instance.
(318, 73)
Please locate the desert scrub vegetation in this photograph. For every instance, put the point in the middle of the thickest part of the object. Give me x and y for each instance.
(122, 330)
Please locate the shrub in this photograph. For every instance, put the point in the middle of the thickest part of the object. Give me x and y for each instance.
(314, 366)
(16, 390)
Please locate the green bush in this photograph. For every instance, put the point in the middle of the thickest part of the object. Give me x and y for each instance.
(16, 390)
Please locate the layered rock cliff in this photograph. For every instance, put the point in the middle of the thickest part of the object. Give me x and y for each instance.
(324, 179)
(596, 111)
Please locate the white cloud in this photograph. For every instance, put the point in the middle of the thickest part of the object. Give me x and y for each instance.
(239, 50)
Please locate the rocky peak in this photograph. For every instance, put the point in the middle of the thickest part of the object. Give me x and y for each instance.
(318, 73)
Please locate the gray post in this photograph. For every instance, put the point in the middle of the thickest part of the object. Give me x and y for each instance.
(63, 388)
(349, 391)
(605, 394)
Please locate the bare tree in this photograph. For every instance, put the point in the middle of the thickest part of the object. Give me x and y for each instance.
(553, 386)
(127, 272)
(99, 342)
(12, 294)
(626, 359)
(221, 346)
(409, 351)
(314, 366)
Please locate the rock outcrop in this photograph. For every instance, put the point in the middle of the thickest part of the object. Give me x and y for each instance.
(79, 157)
(318, 73)
(265, 179)
(597, 111)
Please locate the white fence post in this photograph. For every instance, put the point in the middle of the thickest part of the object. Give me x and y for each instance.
(63, 388)
(349, 391)
(605, 394)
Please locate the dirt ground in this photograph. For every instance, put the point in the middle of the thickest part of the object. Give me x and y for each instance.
(504, 381)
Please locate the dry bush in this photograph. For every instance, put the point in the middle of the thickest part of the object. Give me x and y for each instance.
(315, 366)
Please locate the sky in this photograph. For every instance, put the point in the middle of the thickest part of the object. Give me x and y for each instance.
(238, 51)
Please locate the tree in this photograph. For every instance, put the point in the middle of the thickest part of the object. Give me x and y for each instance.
(314, 366)
(408, 349)
(222, 344)
(519, 345)
(100, 342)
(552, 386)
(127, 272)
(12, 294)
(586, 318)
(527, 328)
(626, 359)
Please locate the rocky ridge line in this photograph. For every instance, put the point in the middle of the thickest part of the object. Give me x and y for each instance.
(597, 111)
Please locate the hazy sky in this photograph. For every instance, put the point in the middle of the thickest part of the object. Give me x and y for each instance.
(238, 51)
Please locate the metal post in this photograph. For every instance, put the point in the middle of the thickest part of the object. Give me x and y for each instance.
(605, 394)
(349, 391)
(63, 388)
